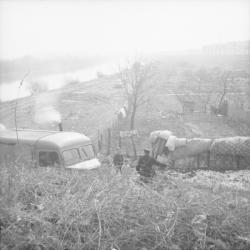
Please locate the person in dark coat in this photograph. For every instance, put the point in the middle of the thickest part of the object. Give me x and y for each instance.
(145, 166)
(118, 160)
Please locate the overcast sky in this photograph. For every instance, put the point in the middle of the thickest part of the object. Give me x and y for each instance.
(118, 27)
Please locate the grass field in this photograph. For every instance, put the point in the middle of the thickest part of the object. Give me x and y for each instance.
(55, 209)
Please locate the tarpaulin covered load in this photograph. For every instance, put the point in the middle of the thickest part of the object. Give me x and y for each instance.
(231, 146)
(158, 147)
(193, 147)
(158, 140)
(174, 142)
(164, 134)
(164, 138)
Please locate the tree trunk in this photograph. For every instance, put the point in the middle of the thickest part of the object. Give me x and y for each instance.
(132, 125)
(132, 118)
(134, 147)
(119, 141)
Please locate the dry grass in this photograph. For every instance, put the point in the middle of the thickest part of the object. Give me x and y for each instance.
(55, 209)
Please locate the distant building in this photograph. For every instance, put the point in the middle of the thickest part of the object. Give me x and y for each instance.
(230, 48)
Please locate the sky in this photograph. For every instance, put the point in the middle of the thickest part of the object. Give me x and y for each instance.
(63, 27)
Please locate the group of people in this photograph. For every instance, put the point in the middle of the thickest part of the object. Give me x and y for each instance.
(144, 166)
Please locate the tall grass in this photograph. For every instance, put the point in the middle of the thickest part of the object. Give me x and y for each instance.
(99, 209)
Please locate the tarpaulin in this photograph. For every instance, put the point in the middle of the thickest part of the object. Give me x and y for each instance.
(193, 147)
(232, 146)
(174, 142)
(164, 134)
(158, 147)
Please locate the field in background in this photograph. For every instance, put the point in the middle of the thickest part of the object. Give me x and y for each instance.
(84, 107)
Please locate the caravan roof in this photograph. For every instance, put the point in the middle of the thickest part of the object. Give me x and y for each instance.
(54, 139)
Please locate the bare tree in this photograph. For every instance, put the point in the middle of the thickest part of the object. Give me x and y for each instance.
(203, 80)
(225, 77)
(194, 83)
(203, 83)
(181, 98)
(136, 82)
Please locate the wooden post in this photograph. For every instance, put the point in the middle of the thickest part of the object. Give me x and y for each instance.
(101, 141)
(133, 144)
(198, 161)
(238, 161)
(120, 141)
(127, 151)
(208, 159)
(99, 145)
(109, 141)
(98, 141)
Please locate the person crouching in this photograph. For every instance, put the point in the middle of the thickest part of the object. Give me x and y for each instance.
(145, 166)
(118, 161)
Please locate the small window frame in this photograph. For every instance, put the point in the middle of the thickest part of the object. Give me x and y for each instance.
(49, 151)
(79, 154)
(81, 148)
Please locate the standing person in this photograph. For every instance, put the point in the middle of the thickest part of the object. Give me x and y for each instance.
(145, 166)
(118, 160)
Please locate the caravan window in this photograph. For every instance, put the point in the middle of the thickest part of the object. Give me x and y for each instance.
(71, 156)
(87, 152)
(47, 159)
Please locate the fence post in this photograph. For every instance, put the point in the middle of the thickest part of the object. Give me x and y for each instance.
(208, 159)
(198, 161)
(238, 161)
(120, 141)
(109, 141)
(134, 147)
(101, 141)
(98, 141)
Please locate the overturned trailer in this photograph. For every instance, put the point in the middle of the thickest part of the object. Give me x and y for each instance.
(45, 148)
(218, 154)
